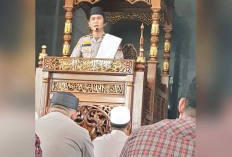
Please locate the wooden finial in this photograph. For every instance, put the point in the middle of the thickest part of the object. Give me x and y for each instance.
(141, 59)
(142, 28)
(42, 55)
(141, 38)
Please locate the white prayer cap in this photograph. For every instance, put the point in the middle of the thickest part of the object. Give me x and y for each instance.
(120, 115)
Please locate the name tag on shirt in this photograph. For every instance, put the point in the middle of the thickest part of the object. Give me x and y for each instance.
(84, 45)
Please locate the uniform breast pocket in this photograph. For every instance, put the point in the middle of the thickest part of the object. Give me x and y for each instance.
(86, 47)
(86, 51)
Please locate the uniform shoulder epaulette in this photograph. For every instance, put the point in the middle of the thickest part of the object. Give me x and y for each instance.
(86, 39)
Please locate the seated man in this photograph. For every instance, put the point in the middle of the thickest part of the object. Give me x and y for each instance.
(168, 137)
(88, 46)
(60, 136)
(110, 145)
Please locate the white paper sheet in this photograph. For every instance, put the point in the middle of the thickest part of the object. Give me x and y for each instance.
(109, 46)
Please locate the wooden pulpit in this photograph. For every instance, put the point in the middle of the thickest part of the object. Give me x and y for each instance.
(100, 85)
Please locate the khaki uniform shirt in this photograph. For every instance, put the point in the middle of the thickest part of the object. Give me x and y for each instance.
(62, 137)
(88, 46)
(109, 145)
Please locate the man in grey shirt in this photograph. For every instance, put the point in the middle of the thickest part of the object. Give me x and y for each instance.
(59, 135)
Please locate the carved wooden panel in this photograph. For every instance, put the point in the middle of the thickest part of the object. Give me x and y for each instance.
(116, 10)
(77, 2)
(89, 87)
(157, 108)
(146, 99)
(73, 64)
(129, 52)
(161, 100)
(94, 118)
(146, 107)
(153, 114)
(114, 17)
(162, 106)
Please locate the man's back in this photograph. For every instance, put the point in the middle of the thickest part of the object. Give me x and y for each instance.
(165, 138)
(109, 145)
(62, 137)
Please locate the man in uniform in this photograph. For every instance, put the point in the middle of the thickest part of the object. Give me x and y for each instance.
(88, 46)
(59, 135)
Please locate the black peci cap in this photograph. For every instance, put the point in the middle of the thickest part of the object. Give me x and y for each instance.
(96, 10)
(65, 99)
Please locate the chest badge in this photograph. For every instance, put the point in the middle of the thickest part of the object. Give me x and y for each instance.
(87, 41)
